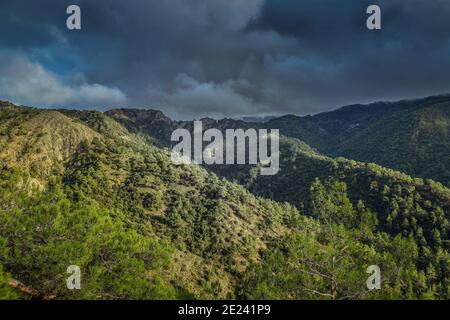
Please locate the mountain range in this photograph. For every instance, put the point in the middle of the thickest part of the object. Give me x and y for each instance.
(411, 136)
(363, 185)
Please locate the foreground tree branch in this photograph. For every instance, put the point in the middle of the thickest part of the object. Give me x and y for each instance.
(33, 293)
(16, 284)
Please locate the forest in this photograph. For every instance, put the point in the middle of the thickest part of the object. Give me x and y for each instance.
(99, 190)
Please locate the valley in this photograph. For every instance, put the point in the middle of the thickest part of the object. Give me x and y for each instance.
(99, 190)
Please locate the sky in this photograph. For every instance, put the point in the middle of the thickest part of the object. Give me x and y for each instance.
(222, 58)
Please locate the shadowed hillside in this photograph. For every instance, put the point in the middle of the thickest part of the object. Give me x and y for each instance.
(410, 136)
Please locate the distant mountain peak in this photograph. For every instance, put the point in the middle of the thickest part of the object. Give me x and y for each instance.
(139, 116)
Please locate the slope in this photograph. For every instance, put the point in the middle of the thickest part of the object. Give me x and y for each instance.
(411, 136)
(140, 227)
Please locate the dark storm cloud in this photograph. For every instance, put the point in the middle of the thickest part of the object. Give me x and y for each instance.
(194, 58)
(342, 61)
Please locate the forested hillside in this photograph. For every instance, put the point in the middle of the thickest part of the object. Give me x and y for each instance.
(410, 136)
(80, 188)
(403, 205)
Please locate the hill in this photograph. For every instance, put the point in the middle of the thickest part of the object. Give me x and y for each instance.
(39, 140)
(403, 205)
(110, 201)
(212, 228)
(411, 136)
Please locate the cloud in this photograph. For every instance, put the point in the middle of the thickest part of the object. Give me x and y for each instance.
(192, 97)
(232, 57)
(25, 82)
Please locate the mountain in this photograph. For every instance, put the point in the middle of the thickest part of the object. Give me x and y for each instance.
(411, 135)
(301, 165)
(109, 181)
(257, 119)
(39, 140)
(155, 125)
(99, 191)
(154, 122)
(404, 205)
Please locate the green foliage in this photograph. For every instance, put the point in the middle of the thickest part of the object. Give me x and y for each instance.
(45, 233)
(327, 261)
(106, 197)
(410, 136)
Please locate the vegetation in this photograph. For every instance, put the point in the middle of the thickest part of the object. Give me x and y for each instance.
(410, 136)
(99, 191)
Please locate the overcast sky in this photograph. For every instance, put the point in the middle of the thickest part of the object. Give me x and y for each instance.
(196, 58)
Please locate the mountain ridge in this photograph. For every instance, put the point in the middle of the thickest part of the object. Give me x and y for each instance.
(184, 232)
(400, 135)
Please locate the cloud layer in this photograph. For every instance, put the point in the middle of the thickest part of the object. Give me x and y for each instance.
(223, 57)
(29, 83)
